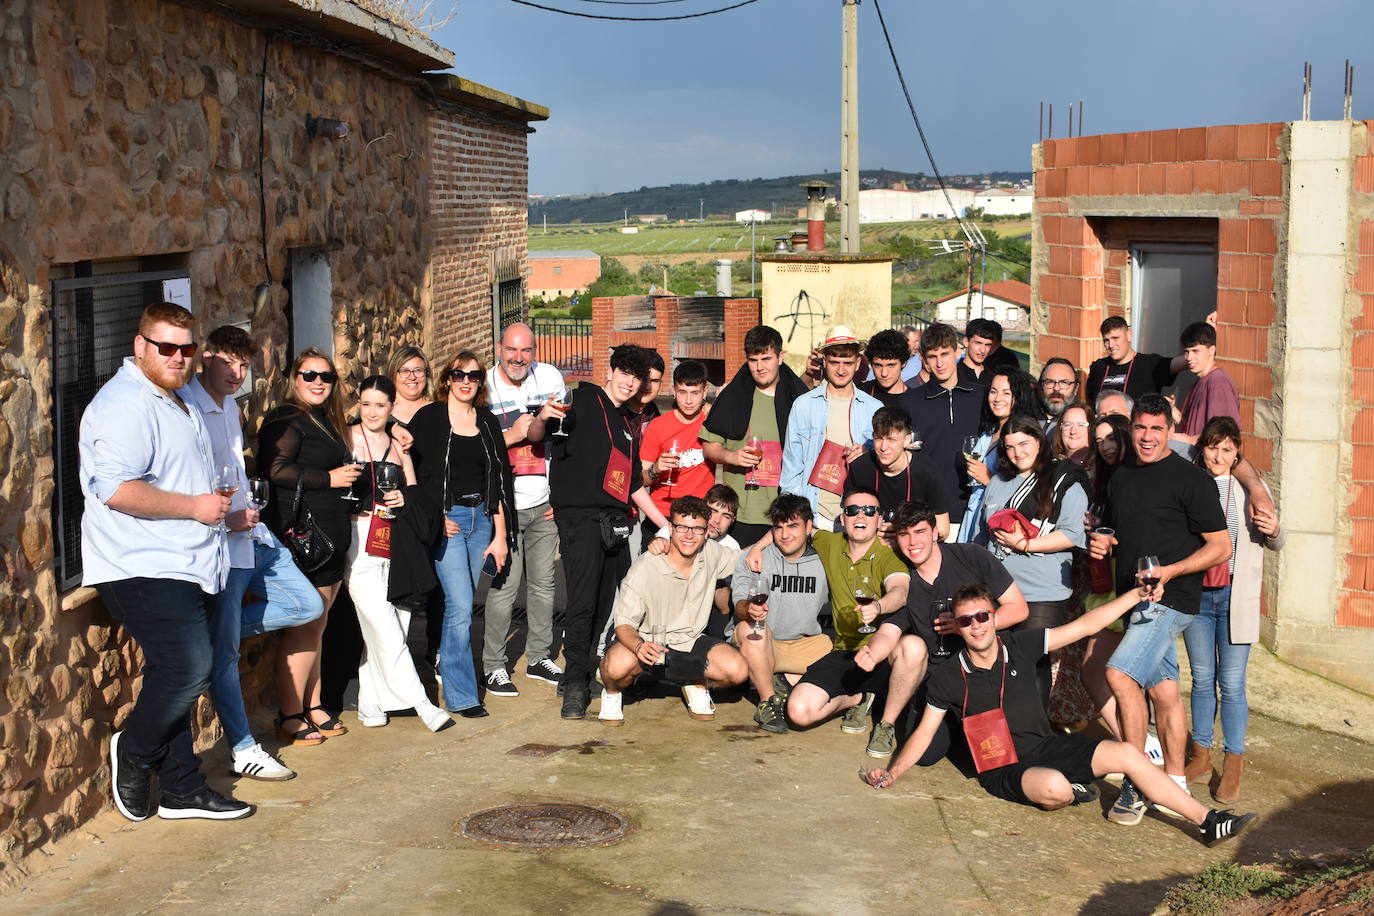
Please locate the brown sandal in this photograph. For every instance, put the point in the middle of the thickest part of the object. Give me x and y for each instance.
(300, 738)
(330, 728)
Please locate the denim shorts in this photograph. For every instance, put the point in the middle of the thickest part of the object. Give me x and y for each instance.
(1147, 653)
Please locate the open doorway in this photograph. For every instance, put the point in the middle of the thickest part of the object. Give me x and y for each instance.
(1173, 286)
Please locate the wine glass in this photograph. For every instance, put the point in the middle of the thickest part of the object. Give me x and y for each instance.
(671, 475)
(1095, 511)
(755, 447)
(758, 594)
(258, 492)
(388, 481)
(864, 595)
(970, 448)
(534, 402)
(1147, 571)
(357, 461)
(562, 405)
(226, 484)
(938, 608)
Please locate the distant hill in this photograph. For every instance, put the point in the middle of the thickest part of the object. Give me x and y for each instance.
(688, 201)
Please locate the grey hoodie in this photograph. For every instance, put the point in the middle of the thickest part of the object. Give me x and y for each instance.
(797, 591)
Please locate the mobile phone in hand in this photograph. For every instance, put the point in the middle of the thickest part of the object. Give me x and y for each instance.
(489, 567)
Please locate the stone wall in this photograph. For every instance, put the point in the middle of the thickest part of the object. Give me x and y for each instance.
(129, 128)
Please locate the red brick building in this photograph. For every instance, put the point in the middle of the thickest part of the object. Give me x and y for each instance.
(562, 273)
(1271, 226)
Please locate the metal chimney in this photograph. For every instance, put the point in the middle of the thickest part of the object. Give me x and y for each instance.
(723, 277)
(815, 214)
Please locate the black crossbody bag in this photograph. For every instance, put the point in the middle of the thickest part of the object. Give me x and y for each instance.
(307, 542)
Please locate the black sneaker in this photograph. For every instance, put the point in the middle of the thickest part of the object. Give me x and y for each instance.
(498, 684)
(205, 803)
(575, 703)
(1084, 792)
(1220, 826)
(131, 785)
(545, 670)
(771, 716)
(782, 687)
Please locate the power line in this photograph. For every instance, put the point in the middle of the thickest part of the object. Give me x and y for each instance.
(919, 130)
(554, 9)
(633, 2)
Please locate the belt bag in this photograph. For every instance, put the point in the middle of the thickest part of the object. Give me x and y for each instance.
(615, 529)
(307, 542)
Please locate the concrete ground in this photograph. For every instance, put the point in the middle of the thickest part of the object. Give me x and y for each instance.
(723, 819)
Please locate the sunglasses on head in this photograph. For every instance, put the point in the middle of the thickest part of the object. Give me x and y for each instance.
(966, 620)
(171, 349)
(474, 375)
(852, 511)
(326, 376)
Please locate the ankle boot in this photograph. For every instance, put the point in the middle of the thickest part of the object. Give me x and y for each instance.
(1227, 789)
(1199, 765)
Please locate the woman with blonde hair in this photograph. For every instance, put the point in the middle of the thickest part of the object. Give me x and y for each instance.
(304, 448)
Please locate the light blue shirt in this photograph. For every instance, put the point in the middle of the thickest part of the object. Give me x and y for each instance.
(806, 435)
(133, 431)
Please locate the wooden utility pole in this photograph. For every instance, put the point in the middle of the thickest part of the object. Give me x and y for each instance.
(849, 131)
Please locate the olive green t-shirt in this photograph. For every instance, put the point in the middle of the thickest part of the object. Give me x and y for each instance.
(841, 574)
(763, 422)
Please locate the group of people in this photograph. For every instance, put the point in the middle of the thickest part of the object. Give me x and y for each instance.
(947, 535)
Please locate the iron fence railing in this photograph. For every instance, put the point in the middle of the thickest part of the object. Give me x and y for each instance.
(565, 343)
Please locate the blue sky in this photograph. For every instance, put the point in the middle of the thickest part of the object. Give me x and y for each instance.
(755, 92)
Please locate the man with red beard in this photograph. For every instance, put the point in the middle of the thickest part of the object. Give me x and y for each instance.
(152, 545)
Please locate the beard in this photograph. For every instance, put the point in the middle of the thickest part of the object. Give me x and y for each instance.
(1056, 408)
(165, 376)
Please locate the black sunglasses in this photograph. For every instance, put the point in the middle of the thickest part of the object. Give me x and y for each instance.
(966, 620)
(475, 376)
(852, 511)
(327, 377)
(170, 349)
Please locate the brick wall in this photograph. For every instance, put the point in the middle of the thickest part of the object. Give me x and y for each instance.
(1095, 195)
(1357, 593)
(477, 215)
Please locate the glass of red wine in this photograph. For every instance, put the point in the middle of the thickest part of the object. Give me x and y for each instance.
(864, 595)
(1147, 571)
(938, 608)
(758, 594)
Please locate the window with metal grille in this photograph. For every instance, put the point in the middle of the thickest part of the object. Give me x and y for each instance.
(507, 295)
(95, 312)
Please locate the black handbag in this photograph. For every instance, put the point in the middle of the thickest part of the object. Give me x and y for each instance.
(615, 529)
(307, 542)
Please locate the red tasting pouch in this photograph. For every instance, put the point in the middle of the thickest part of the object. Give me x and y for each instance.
(768, 472)
(1217, 576)
(527, 460)
(616, 483)
(988, 736)
(1009, 520)
(830, 472)
(378, 537)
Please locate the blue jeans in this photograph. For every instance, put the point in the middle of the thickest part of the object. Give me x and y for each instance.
(170, 621)
(1216, 661)
(290, 601)
(458, 563)
(1147, 653)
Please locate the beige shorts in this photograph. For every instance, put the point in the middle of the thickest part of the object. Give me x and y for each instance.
(792, 656)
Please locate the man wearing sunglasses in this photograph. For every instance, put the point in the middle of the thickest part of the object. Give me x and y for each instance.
(995, 674)
(661, 614)
(151, 547)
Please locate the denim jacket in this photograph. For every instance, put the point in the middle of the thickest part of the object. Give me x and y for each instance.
(806, 434)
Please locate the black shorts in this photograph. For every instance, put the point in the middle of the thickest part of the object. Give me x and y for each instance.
(1071, 755)
(685, 665)
(838, 675)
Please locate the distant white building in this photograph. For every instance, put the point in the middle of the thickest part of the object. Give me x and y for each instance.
(629, 230)
(753, 216)
(1004, 201)
(889, 205)
(1006, 302)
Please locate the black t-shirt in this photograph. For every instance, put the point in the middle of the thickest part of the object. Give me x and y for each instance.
(960, 565)
(995, 360)
(1162, 508)
(916, 482)
(941, 418)
(1020, 700)
(467, 465)
(580, 460)
(1147, 373)
(882, 394)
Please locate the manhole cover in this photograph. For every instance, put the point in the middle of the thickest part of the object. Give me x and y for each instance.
(543, 826)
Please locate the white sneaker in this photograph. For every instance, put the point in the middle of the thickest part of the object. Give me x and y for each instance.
(256, 763)
(699, 703)
(435, 719)
(1153, 750)
(611, 712)
(371, 716)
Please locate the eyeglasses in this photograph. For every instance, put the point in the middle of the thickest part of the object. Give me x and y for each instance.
(690, 529)
(851, 511)
(327, 377)
(1058, 383)
(457, 375)
(1074, 424)
(413, 373)
(966, 620)
(171, 349)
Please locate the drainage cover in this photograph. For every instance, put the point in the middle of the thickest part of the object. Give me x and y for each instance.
(546, 826)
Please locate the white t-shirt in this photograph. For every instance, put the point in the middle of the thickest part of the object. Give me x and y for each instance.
(508, 402)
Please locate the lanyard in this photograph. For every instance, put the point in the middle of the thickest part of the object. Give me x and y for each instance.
(963, 714)
(605, 418)
(373, 465)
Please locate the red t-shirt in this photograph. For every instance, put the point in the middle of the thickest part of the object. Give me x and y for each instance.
(694, 475)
